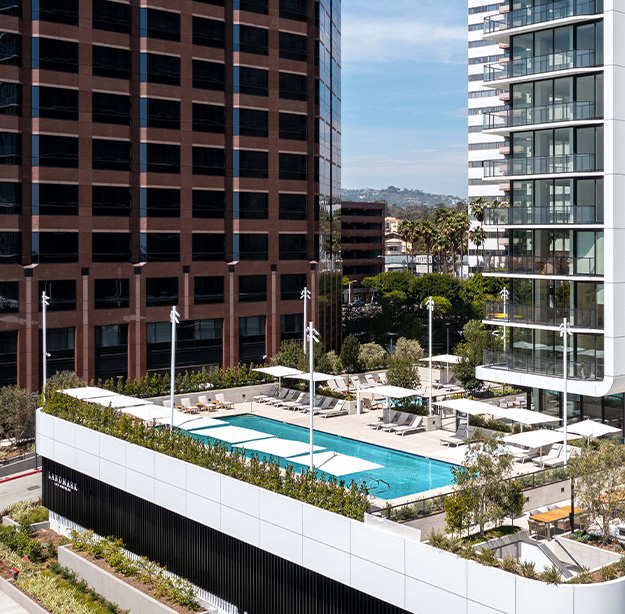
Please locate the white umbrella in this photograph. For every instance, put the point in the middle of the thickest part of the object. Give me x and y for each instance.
(591, 429)
(279, 371)
(535, 439)
(391, 392)
(317, 377)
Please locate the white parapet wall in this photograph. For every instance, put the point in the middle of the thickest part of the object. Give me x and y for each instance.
(378, 558)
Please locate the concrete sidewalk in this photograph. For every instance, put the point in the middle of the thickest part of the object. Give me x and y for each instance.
(8, 606)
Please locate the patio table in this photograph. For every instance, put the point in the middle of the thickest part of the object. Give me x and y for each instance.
(552, 516)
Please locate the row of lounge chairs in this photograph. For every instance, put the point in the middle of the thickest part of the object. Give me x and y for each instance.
(300, 401)
(399, 423)
(202, 404)
(367, 381)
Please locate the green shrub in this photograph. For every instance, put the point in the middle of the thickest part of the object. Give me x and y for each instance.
(21, 544)
(528, 569)
(608, 572)
(551, 575)
(510, 565)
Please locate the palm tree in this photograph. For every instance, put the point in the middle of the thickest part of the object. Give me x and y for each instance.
(440, 244)
(427, 230)
(409, 231)
(478, 236)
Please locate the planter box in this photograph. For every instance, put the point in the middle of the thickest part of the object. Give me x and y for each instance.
(23, 600)
(9, 522)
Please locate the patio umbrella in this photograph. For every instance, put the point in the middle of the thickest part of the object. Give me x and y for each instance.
(279, 371)
(591, 429)
(535, 439)
(392, 392)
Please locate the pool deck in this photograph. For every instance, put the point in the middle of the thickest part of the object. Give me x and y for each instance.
(355, 426)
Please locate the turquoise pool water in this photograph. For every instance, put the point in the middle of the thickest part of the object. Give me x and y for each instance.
(406, 474)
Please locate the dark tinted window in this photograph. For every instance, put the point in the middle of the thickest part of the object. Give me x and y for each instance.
(291, 326)
(55, 199)
(111, 351)
(61, 294)
(160, 113)
(10, 198)
(161, 158)
(209, 204)
(56, 102)
(57, 55)
(208, 247)
(209, 118)
(10, 296)
(291, 286)
(293, 166)
(111, 16)
(11, 8)
(56, 151)
(10, 99)
(251, 164)
(252, 81)
(293, 46)
(110, 155)
(215, 2)
(209, 32)
(111, 293)
(251, 205)
(110, 200)
(292, 247)
(294, 9)
(161, 202)
(249, 39)
(253, 247)
(252, 288)
(10, 148)
(111, 108)
(292, 206)
(160, 24)
(160, 68)
(110, 247)
(251, 122)
(208, 290)
(209, 75)
(293, 87)
(253, 6)
(293, 126)
(111, 62)
(11, 49)
(55, 247)
(161, 291)
(160, 247)
(208, 161)
(57, 11)
(252, 338)
(10, 247)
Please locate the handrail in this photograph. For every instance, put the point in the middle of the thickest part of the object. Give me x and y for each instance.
(539, 314)
(544, 114)
(541, 165)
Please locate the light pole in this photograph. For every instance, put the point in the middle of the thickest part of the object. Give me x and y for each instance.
(447, 324)
(505, 294)
(305, 296)
(45, 302)
(565, 330)
(349, 291)
(430, 307)
(313, 337)
(173, 318)
(391, 335)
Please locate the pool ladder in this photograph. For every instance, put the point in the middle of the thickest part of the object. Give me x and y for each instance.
(374, 484)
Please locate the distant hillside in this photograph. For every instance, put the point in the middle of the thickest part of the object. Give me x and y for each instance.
(400, 197)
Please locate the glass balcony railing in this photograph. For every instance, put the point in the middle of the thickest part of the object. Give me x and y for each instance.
(547, 114)
(542, 215)
(541, 265)
(546, 316)
(549, 11)
(564, 60)
(541, 165)
(587, 368)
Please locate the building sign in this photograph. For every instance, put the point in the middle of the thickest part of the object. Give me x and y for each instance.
(63, 483)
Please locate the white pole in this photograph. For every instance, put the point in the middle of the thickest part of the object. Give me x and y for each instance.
(305, 295)
(358, 399)
(173, 317)
(312, 393)
(504, 295)
(430, 306)
(44, 316)
(564, 331)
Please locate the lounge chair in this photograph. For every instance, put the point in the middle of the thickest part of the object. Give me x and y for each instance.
(204, 404)
(338, 410)
(520, 455)
(300, 403)
(415, 426)
(459, 439)
(186, 407)
(392, 419)
(219, 398)
(553, 453)
(340, 384)
(557, 461)
(382, 378)
(403, 419)
(370, 381)
(370, 405)
(261, 398)
(324, 403)
(298, 397)
(285, 395)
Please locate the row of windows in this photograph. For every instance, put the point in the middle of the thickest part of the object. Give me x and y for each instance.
(486, 8)
(478, 77)
(481, 43)
(483, 110)
(476, 164)
(62, 247)
(485, 93)
(486, 58)
(474, 27)
(482, 146)
(476, 128)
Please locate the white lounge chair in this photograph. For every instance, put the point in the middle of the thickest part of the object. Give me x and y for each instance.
(391, 418)
(285, 395)
(204, 404)
(522, 454)
(300, 403)
(340, 384)
(460, 437)
(371, 380)
(403, 419)
(186, 407)
(553, 453)
(219, 398)
(261, 398)
(338, 410)
(415, 426)
(297, 398)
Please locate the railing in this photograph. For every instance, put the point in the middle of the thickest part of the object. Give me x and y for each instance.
(541, 165)
(547, 316)
(564, 60)
(545, 114)
(589, 368)
(549, 11)
(541, 265)
(542, 215)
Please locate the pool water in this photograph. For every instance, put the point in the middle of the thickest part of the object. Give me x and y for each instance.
(406, 473)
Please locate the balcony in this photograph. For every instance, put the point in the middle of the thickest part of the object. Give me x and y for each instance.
(589, 368)
(541, 14)
(541, 165)
(545, 316)
(538, 64)
(547, 114)
(541, 265)
(509, 216)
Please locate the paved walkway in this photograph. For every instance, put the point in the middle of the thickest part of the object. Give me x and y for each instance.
(8, 606)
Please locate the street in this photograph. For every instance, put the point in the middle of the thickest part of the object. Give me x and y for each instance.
(28, 487)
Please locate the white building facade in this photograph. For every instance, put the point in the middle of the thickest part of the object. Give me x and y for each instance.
(565, 226)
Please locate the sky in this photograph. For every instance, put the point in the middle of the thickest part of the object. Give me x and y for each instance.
(404, 94)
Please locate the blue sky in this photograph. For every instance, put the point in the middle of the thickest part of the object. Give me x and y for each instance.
(404, 94)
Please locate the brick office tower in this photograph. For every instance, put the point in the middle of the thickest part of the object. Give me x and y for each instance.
(159, 153)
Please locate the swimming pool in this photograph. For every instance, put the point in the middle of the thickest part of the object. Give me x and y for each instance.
(405, 473)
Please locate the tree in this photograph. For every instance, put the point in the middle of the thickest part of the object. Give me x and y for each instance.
(427, 231)
(410, 349)
(481, 479)
(350, 354)
(409, 231)
(64, 379)
(17, 414)
(402, 372)
(291, 354)
(476, 340)
(478, 236)
(599, 482)
(458, 511)
(373, 356)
